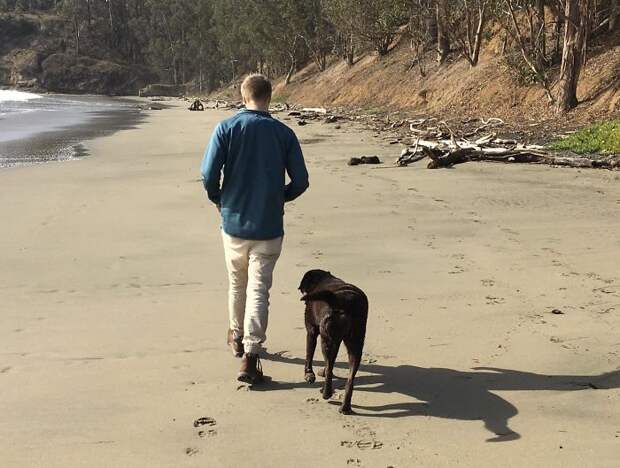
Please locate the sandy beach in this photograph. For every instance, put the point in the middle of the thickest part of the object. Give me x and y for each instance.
(113, 312)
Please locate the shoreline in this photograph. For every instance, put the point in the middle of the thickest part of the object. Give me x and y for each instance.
(67, 141)
(114, 312)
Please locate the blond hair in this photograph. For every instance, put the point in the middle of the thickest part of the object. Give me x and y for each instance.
(256, 87)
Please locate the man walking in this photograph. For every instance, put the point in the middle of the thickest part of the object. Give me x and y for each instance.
(253, 151)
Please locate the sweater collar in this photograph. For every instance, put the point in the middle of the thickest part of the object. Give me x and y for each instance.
(251, 111)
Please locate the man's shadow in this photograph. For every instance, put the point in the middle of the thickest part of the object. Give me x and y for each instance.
(452, 394)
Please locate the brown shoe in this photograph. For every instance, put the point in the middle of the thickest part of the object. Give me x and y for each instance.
(236, 344)
(251, 369)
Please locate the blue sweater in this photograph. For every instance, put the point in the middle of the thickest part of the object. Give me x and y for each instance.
(253, 150)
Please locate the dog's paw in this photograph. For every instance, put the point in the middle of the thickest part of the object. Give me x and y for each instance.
(327, 393)
(345, 410)
(309, 377)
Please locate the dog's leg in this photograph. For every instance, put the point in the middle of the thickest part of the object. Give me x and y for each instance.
(311, 338)
(330, 352)
(355, 356)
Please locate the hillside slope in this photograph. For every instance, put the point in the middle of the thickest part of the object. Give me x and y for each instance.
(455, 89)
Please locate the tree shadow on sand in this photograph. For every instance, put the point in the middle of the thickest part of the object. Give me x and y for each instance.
(452, 394)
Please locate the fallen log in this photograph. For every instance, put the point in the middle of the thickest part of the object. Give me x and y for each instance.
(504, 155)
(315, 110)
(410, 157)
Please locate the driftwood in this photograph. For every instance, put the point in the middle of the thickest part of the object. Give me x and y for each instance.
(280, 107)
(435, 140)
(448, 152)
(516, 155)
(315, 110)
(411, 155)
(492, 122)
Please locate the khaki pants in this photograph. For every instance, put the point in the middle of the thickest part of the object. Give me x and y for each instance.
(250, 265)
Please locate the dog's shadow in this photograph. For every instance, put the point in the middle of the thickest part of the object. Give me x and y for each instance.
(452, 394)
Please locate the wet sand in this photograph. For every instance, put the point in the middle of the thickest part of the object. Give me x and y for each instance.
(53, 127)
(114, 312)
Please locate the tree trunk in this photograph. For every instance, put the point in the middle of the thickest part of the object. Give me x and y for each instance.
(291, 70)
(383, 45)
(292, 53)
(559, 23)
(443, 42)
(614, 11)
(574, 53)
(76, 30)
(351, 51)
(322, 61)
(76, 27)
(200, 60)
(541, 45)
(431, 26)
(111, 18)
(475, 48)
(183, 45)
(89, 13)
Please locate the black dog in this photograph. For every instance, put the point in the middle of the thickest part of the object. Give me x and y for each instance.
(338, 311)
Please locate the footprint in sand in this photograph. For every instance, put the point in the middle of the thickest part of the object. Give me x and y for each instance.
(488, 283)
(512, 232)
(495, 300)
(362, 444)
(204, 421)
(190, 451)
(208, 430)
(367, 438)
(368, 358)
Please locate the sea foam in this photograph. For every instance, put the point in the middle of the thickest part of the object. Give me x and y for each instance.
(12, 95)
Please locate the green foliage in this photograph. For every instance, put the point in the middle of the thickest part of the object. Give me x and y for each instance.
(373, 22)
(602, 137)
(521, 72)
(14, 28)
(211, 42)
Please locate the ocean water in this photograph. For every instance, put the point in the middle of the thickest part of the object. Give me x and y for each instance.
(37, 128)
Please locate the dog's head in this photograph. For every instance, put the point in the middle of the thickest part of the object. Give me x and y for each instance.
(311, 279)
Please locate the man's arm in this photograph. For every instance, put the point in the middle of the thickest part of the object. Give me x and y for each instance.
(212, 163)
(296, 170)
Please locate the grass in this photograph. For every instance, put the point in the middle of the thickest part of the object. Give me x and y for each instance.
(602, 137)
(280, 98)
